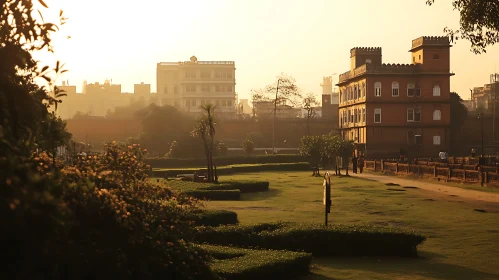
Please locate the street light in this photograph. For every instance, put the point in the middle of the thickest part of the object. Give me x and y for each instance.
(480, 116)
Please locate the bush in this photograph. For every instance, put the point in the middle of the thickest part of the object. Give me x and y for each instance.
(214, 218)
(248, 146)
(221, 161)
(229, 190)
(215, 194)
(236, 263)
(234, 169)
(337, 240)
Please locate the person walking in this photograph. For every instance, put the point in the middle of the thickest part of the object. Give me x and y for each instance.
(473, 152)
(361, 164)
(354, 164)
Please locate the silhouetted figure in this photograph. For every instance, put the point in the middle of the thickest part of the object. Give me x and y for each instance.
(354, 164)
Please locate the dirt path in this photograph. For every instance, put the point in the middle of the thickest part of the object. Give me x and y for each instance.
(438, 188)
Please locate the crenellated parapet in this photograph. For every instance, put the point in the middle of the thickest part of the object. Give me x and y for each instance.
(365, 51)
(430, 41)
(379, 69)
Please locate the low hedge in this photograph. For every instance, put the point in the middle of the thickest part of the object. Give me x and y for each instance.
(215, 194)
(236, 263)
(336, 240)
(234, 169)
(242, 186)
(214, 218)
(198, 162)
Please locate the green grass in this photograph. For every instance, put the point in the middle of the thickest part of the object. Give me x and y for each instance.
(462, 243)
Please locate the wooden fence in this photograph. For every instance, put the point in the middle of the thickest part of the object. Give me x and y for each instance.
(484, 175)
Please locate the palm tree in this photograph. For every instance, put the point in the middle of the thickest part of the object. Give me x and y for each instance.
(205, 129)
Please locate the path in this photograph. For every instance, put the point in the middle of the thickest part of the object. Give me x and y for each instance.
(439, 188)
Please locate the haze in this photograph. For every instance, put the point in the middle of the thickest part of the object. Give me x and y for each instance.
(123, 40)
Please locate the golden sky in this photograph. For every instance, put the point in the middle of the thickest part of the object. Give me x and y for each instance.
(123, 40)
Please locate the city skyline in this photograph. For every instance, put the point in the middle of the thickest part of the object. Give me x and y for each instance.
(265, 38)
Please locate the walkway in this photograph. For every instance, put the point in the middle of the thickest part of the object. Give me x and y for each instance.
(439, 188)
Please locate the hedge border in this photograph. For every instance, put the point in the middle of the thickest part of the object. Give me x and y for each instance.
(221, 161)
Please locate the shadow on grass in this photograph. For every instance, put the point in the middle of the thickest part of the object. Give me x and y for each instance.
(425, 266)
(260, 195)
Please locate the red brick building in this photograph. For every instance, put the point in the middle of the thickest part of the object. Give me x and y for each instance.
(388, 109)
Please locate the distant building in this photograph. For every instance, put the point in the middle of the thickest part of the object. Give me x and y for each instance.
(245, 107)
(265, 109)
(142, 89)
(393, 109)
(329, 100)
(482, 98)
(190, 84)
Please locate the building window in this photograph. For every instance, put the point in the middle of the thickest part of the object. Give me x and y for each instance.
(358, 115)
(436, 56)
(356, 120)
(437, 115)
(190, 75)
(377, 115)
(418, 138)
(187, 103)
(410, 115)
(410, 137)
(205, 88)
(417, 114)
(363, 115)
(175, 89)
(436, 140)
(417, 91)
(205, 75)
(436, 90)
(377, 89)
(190, 88)
(368, 61)
(193, 103)
(411, 90)
(229, 88)
(165, 90)
(363, 90)
(395, 89)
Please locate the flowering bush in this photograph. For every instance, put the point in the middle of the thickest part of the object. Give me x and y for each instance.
(99, 218)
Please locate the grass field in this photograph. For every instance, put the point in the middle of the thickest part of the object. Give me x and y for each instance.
(463, 243)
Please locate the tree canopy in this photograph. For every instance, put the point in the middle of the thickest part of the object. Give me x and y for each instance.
(479, 23)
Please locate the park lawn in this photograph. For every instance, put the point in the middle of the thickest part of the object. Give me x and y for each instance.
(462, 243)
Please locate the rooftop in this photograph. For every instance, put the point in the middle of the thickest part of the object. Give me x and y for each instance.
(442, 41)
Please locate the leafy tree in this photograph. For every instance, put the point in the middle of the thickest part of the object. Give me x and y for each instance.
(311, 147)
(328, 152)
(161, 126)
(248, 146)
(309, 103)
(458, 114)
(344, 149)
(479, 23)
(205, 130)
(283, 91)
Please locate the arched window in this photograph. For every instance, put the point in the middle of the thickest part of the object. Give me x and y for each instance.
(363, 90)
(395, 89)
(437, 115)
(436, 90)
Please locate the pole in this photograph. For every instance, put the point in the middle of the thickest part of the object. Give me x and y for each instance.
(275, 110)
(481, 126)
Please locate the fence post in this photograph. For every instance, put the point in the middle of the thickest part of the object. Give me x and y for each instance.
(382, 165)
(408, 167)
(486, 177)
(434, 171)
(419, 171)
(480, 175)
(450, 173)
(464, 174)
(396, 168)
(374, 165)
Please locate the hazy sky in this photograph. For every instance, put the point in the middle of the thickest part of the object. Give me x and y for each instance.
(123, 40)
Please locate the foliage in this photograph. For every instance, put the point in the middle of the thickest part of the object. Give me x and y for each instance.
(458, 111)
(190, 148)
(336, 240)
(161, 125)
(248, 146)
(237, 263)
(234, 169)
(479, 23)
(309, 103)
(221, 149)
(221, 161)
(311, 148)
(205, 130)
(257, 138)
(229, 190)
(214, 218)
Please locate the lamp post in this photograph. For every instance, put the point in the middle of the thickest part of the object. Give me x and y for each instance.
(480, 116)
(275, 109)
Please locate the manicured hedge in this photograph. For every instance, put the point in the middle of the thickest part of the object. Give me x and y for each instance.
(214, 218)
(215, 194)
(336, 240)
(236, 263)
(234, 169)
(220, 161)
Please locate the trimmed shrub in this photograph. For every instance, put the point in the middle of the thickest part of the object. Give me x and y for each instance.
(236, 263)
(214, 218)
(220, 161)
(242, 186)
(336, 240)
(215, 194)
(234, 169)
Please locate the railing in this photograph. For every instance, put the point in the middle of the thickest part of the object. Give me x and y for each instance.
(484, 175)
